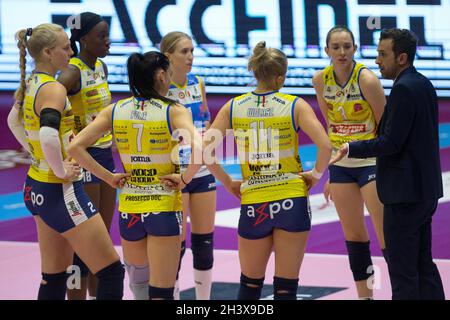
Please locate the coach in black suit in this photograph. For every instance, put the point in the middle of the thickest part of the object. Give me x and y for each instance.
(409, 179)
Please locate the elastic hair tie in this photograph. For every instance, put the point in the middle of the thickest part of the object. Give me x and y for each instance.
(29, 32)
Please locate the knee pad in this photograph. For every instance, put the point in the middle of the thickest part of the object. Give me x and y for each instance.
(202, 250)
(285, 289)
(160, 293)
(360, 260)
(252, 292)
(138, 280)
(110, 282)
(55, 286)
(84, 270)
(182, 252)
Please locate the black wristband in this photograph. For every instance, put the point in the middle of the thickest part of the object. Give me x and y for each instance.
(182, 180)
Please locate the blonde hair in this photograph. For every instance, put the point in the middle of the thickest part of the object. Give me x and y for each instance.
(267, 63)
(170, 41)
(34, 40)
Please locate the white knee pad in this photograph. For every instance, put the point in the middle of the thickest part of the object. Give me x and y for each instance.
(138, 278)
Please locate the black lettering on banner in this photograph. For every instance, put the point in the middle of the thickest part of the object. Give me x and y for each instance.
(366, 35)
(286, 24)
(61, 19)
(151, 18)
(244, 24)
(195, 20)
(125, 21)
(374, 2)
(417, 25)
(424, 2)
(312, 18)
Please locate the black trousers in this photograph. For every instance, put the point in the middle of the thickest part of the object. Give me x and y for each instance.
(407, 232)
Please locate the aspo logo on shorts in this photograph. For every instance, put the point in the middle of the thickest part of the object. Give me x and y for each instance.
(36, 198)
(274, 208)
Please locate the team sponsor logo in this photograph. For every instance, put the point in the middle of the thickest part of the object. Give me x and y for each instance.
(266, 178)
(196, 97)
(140, 159)
(35, 198)
(261, 156)
(157, 133)
(339, 93)
(257, 112)
(91, 93)
(27, 196)
(153, 141)
(265, 168)
(357, 107)
(147, 197)
(145, 189)
(351, 97)
(155, 104)
(143, 175)
(244, 100)
(74, 209)
(279, 100)
(90, 82)
(268, 210)
(134, 218)
(126, 103)
(138, 115)
(211, 185)
(346, 129)
(282, 136)
(181, 95)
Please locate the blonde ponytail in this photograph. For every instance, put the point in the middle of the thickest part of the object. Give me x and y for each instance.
(267, 63)
(21, 38)
(33, 40)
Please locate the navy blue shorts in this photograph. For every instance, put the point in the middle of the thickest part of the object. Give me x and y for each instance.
(202, 184)
(258, 220)
(102, 156)
(359, 175)
(62, 206)
(134, 227)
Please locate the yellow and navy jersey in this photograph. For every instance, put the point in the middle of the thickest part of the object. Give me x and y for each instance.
(93, 96)
(191, 96)
(40, 169)
(267, 144)
(350, 116)
(143, 136)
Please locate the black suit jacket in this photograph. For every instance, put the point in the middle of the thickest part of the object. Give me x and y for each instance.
(407, 145)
